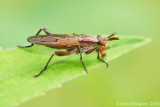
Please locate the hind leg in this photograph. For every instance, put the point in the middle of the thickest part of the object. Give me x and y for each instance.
(45, 30)
(40, 30)
(58, 53)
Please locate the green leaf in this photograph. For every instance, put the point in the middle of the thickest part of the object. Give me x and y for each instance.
(18, 66)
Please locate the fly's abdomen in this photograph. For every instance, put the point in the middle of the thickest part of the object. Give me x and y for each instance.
(54, 41)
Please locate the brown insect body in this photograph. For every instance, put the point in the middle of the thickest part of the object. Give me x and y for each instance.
(64, 41)
(72, 43)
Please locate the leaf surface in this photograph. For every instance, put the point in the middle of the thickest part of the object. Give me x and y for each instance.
(18, 66)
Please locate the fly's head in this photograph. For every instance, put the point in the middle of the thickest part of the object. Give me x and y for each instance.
(102, 40)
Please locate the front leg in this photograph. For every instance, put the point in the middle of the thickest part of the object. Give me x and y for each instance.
(40, 30)
(58, 53)
(90, 51)
(102, 54)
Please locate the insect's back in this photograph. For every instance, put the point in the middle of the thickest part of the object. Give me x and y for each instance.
(59, 41)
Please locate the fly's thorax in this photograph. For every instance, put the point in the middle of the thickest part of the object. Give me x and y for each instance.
(87, 39)
(86, 42)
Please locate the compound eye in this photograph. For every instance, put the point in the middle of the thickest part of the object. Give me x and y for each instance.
(101, 42)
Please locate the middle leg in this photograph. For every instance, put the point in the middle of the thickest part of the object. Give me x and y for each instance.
(82, 59)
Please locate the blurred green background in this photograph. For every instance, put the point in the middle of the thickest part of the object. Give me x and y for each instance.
(134, 77)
